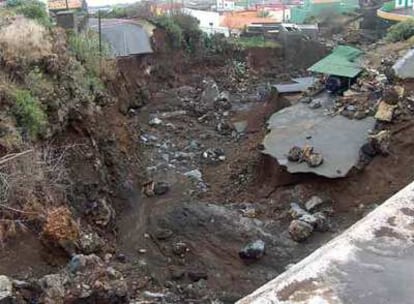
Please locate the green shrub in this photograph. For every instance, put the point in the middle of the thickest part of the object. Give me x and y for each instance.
(85, 47)
(32, 9)
(401, 31)
(28, 112)
(117, 12)
(183, 30)
(256, 41)
(175, 33)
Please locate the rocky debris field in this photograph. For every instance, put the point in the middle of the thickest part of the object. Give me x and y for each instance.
(157, 191)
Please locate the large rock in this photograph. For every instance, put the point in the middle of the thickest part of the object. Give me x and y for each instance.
(87, 279)
(253, 251)
(210, 93)
(6, 290)
(300, 230)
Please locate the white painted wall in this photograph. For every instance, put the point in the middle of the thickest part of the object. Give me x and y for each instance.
(209, 21)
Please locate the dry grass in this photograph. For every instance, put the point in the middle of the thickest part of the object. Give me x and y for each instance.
(25, 40)
(60, 226)
(33, 187)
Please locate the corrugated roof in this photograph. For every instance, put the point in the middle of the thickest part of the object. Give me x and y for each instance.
(339, 63)
(61, 4)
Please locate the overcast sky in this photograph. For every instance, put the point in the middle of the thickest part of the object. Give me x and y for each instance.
(106, 2)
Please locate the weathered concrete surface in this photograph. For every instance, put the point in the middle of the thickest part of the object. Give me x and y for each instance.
(404, 67)
(370, 263)
(298, 85)
(337, 138)
(126, 37)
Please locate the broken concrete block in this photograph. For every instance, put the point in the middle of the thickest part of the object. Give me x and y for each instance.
(385, 111)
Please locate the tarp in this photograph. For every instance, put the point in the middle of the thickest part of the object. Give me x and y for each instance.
(341, 62)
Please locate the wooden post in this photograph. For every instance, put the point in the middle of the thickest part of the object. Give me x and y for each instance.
(100, 32)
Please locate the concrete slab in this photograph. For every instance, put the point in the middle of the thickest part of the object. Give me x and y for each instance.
(370, 263)
(298, 85)
(337, 138)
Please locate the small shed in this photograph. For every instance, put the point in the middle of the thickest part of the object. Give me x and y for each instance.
(341, 62)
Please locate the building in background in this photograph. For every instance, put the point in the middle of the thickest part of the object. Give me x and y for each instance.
(315, 8)
(396, 10)
(62, 5)
(225, 5)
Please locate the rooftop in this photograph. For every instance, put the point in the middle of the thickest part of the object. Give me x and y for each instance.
(340, 62)
(64, 4)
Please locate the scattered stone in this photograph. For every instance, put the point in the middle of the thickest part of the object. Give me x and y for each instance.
(360, 115)
(322, 222)
(210, 93)
(310, 157)
(19, 284)
(196, 276)
(296, 211)
(348, 114)
(184, 155)
(179, 248)
(154, 295)
(161, 188)
(107, 257)
(223, 96)
(314, 160)
(163, 234)
(369, 150)
(380, 142)
(90, 243)
(300, 230)
(295, 154)
(195, 174)
(6, 289)
(121, 258)
(53, 287)
(249, 212)
(315, 104)
(177, 273)
(240, 126)
(224, 128)
(253, 251)
(222, 102)
(306, 99)
(101, 211)
(214, 155)
(155, 121)
(173, 114)
(351, 108)
(313, 202)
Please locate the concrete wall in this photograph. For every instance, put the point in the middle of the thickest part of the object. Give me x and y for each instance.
(370, 263)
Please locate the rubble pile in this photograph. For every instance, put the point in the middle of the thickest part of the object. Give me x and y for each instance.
(305, 154)
(313, 217)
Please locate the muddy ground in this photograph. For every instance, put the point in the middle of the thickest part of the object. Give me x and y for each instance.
(183, 246)
(240, 199)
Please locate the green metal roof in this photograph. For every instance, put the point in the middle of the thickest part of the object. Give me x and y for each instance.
(339, 63)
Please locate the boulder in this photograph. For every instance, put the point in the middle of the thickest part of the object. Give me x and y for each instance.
(300, 230)
(90, 243)
(313, 202)
(6, 290)
(161, 188)
(253, 251)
